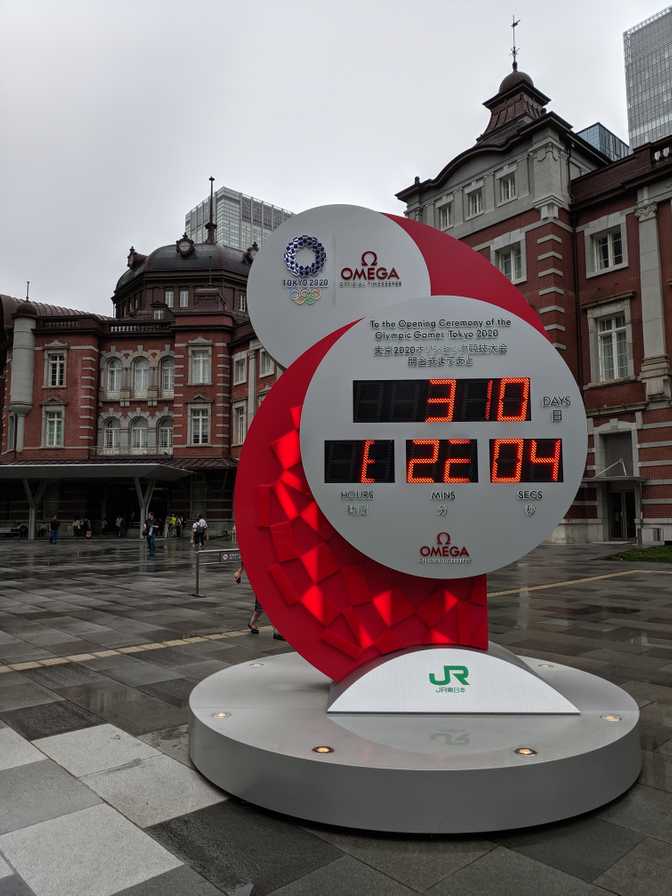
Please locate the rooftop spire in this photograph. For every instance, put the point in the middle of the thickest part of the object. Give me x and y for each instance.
(27, 290)
(211, 227)
(514, 49)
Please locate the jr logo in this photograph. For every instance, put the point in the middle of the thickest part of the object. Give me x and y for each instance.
(459, 673)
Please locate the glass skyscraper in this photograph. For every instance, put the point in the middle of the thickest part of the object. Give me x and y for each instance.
(604, 140)
(241, 220)
(648, 78)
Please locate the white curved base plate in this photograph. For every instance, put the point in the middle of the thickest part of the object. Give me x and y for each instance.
(254, 726)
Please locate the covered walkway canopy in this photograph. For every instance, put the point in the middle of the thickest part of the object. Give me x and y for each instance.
(145, 474)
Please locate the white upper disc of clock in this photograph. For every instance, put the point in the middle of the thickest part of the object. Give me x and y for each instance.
(443, 437)
(324, 268)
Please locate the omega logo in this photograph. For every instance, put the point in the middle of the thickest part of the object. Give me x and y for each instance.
(369, 269)
(443, 548)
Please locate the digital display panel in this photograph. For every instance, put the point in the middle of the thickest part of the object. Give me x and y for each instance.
(495, 400)
(362, 461)
(452, 461)
(525, 460)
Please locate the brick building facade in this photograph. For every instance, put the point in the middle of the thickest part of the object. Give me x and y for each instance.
(589, 244)
(106, 417)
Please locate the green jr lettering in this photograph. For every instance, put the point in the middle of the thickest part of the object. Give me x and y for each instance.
(459, 673)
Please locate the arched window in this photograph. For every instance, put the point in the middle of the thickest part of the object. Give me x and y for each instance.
(139, 434)
(167, 375)
(114, 375)
(165, 431)
(140, 376)
(112, 434)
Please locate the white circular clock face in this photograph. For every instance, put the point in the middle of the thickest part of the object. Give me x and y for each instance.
(443, 437)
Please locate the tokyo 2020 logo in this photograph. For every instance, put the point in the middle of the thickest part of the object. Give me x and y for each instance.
(305, 242)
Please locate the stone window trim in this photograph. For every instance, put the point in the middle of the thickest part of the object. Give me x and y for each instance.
(199, 345)
(596, 312)
(266, 364)
(445, 204)
(50, 353)
(505, 241)
(507, 172)
(613, 427)
(239, 380)
(49, 407)
(594, 229)
(198, 404)
(235, 441)
(470, 190)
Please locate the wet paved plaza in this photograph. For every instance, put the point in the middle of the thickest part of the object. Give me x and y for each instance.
(99, 649)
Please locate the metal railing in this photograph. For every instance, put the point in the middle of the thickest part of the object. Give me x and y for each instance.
(228, 555)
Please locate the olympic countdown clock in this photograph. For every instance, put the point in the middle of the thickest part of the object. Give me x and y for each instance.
(443, 437)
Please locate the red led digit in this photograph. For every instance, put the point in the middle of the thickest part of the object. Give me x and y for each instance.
(366, 462)
(410, 468)
(524, 383)
(457, 461)
(498, 444)
(553, 461)
(448, 401)
(488, 401)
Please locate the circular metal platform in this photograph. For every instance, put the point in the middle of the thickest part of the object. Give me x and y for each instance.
(255, 727)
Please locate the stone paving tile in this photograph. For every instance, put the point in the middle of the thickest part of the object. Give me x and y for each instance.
(67, 676)
(174, 691)
(644, 809)
(344, 877)
(110, 854)
(234, 845)
(126, 707)
(154, 790)
(656, 770)
(39, 791)
(19, 694)
(5, 870)
(182, 881)
(584, 848)
(131, 671)
(95, 749)
(414, 861)
(16, 750)
(14, 886)
(645, 871)
(47, 719)
(505, 873)
(172, 741)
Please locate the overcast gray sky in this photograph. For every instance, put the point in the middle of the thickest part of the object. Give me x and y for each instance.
(114, 114)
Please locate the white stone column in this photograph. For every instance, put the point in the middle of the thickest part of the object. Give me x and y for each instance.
(655, 372)
(251, 383)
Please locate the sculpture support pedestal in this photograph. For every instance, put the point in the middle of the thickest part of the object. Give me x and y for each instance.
(254, 728)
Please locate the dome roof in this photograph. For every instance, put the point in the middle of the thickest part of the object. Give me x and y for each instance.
(204, 257)
(514, 79)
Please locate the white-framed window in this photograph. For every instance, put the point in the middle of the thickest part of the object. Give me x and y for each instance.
(140, 376)
(266, 363)
(11, 432)
(139, 432)
(200, 366)
(53, 427)
(184, 298)
(445, 214)
(169, 297)
(167, 376)
(112, 434)
(242, 302)
(158, 314)
(509, 260)
(474, 199)
(506, 187)
(261, 397)
(199, 426)
(607, 246)
(239, 412)
(55, 369)
(240, 368)
(114, 370)
(165, 432)
(612, 347)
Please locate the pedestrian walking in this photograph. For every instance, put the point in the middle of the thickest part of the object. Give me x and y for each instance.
(258, 610)
(200, 530)
(179, 525)
(118, 524)
(150, 530)
(88, 529)
(54, 526)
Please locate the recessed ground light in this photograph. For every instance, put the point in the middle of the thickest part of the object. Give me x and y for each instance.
(611, 717)
(256, 665)
(323, 749)
(544, 665)
(221, 715)
(525, 751)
